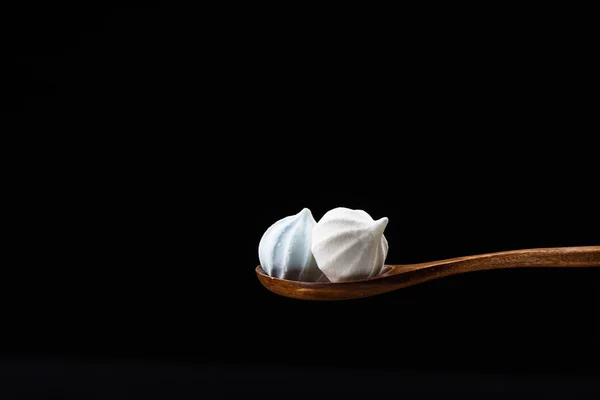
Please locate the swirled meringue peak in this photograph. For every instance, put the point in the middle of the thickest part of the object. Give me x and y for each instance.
(284, 249)
(349, 245)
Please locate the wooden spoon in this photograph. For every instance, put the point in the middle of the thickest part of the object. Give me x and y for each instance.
(400, 276)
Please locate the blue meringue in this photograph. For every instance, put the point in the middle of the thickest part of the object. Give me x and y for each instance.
(285, 249)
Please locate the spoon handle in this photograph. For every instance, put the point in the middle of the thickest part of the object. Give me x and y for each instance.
(581, 256)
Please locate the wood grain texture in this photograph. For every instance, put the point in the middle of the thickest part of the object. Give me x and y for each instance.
(400, 276)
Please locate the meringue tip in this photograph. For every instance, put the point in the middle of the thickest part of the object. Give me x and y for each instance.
(305, 212)
(380, 225)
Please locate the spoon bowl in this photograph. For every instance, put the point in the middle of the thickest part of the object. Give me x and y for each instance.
(395, 277)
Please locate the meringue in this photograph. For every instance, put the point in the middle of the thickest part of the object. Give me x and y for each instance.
(349, 245)
(285, 249)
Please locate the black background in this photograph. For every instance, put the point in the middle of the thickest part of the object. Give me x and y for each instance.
(152, 147)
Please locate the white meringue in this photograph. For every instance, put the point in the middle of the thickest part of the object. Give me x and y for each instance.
(349, 245)
(285, 249)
